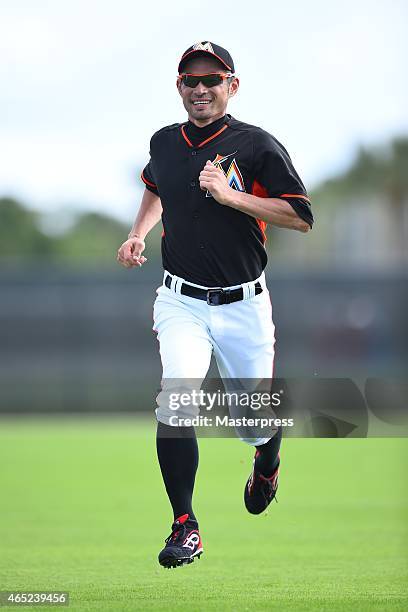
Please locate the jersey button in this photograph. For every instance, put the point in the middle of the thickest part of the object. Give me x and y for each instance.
(193, 184)
(202, 246)
(195, 216)
(193, 152)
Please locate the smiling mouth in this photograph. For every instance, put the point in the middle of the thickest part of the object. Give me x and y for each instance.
(201, 102)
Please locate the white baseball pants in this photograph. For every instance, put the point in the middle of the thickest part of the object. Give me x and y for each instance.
(241, 335)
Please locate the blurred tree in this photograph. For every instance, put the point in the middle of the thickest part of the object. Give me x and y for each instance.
(396, 176)
(93, 236)
(381, 170)
(96, 238)
(19, 233)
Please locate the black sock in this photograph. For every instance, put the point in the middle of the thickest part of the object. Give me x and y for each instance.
(177, 450)
(267, 460)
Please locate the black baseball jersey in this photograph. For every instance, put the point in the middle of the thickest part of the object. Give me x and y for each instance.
(203, 241)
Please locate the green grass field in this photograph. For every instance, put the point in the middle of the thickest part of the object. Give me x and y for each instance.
(83, 509)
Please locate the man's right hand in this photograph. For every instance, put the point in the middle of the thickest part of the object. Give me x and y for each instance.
(130, 253)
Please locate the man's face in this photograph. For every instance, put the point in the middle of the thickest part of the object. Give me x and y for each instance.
(213, 100)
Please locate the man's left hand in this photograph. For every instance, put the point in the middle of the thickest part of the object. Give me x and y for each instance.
(214, 180)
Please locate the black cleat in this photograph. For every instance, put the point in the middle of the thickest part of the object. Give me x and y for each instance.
(260, 490)
(183, 544)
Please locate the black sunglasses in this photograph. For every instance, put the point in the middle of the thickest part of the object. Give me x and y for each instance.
(208, 80)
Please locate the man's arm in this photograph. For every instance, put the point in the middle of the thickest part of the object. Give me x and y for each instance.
(271, 210)
(149, 214)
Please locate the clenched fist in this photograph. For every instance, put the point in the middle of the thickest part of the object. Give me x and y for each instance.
(130, 253)
(214, 179)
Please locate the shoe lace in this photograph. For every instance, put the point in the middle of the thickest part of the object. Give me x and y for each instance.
(268, 486)
(178, 531)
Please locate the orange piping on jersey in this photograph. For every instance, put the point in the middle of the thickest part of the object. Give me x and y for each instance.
(142, 176)
(262, 226)
(190, 144)
(294, 195)
(260, 191)
(224, 127)
(188, 141)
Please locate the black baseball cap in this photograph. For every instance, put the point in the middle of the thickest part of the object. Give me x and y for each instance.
(210, 49)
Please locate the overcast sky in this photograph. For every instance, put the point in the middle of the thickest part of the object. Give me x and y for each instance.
(84, 84)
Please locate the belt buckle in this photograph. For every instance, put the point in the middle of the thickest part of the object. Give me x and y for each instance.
(216, 293)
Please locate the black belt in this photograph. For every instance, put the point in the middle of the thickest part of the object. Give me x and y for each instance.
(214, 297)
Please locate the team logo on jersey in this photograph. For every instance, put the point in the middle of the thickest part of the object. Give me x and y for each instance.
(203, 46)
(233, 174)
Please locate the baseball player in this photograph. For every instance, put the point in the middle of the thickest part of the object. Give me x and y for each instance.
(215, 182)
